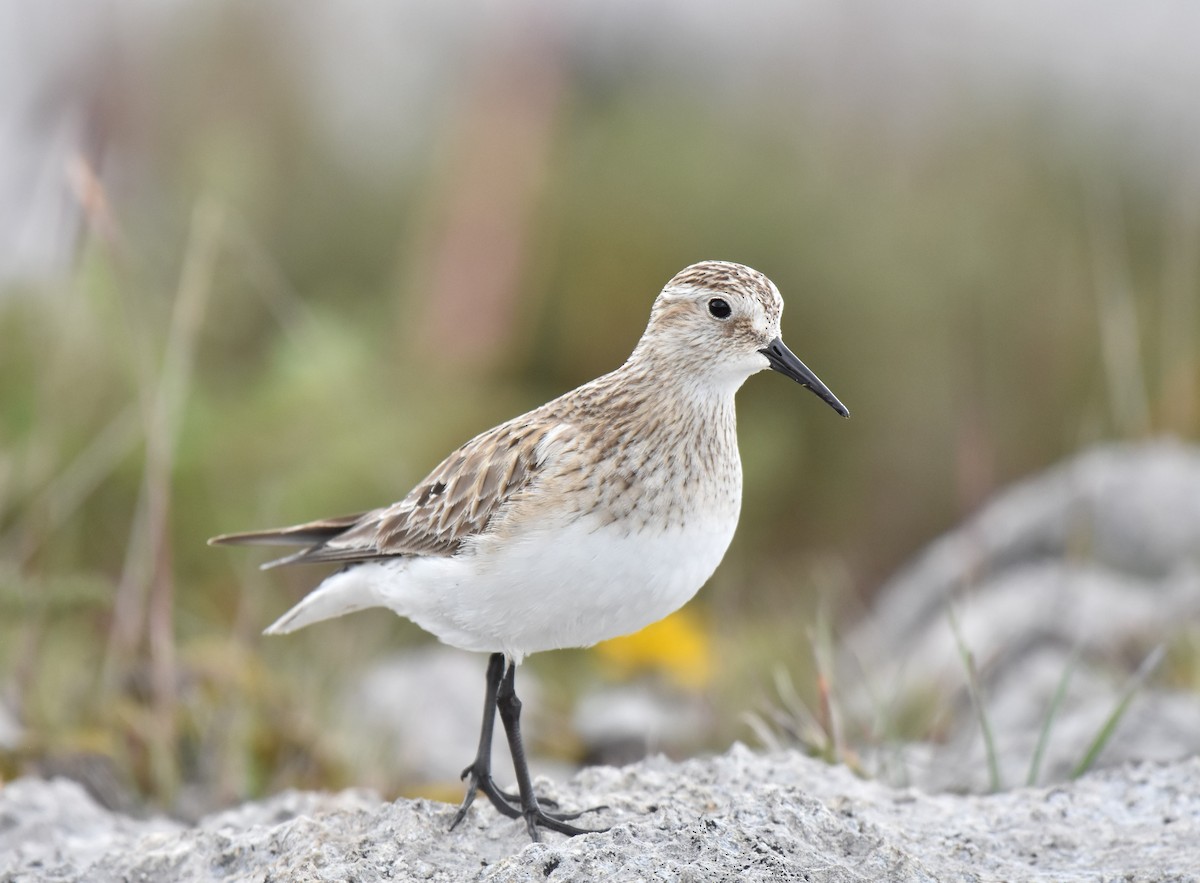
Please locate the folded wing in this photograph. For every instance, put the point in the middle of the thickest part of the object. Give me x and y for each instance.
(456, 501)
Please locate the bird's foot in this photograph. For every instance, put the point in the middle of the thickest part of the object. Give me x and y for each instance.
(511, 806)
(536, 817)
(505, 803)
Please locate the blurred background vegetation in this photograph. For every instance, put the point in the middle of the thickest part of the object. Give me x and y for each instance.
(263, 263)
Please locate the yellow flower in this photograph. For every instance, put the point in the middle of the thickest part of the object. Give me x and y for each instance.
(679, 647)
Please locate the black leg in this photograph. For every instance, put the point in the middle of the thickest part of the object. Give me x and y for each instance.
(479, 773)
(510, 714)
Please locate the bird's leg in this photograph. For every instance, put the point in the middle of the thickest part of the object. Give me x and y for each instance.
(510, 714)
(479, 773)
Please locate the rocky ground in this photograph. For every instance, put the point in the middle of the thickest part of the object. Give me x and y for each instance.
(1064, 584)
(739, 816)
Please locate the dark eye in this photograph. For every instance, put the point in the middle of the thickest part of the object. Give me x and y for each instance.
(719, 308)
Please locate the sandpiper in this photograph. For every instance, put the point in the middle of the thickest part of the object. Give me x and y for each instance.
(590, 517)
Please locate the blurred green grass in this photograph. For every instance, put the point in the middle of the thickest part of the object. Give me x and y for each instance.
(947, 287)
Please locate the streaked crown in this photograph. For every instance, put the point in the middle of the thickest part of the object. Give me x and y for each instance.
(714, 318)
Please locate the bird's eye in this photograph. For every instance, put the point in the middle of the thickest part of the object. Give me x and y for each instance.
(719, 308)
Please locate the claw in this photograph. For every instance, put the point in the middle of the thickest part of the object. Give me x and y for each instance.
(483, 782)
(535, 816)
(514, 799)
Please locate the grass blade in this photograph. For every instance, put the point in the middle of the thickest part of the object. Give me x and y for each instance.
(1060, 692)
(968, 659)
(1149, 664)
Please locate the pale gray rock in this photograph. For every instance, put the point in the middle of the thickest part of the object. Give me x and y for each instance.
(1130, 512)
(738, 816)
(626, 722)
(415, 719)
(1084, 568)
(416, 716)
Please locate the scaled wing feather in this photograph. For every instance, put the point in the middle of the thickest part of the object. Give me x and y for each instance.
(454, 502)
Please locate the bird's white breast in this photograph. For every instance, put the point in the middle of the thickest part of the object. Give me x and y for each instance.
(585, 583)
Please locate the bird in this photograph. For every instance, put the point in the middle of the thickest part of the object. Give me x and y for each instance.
(590, 517)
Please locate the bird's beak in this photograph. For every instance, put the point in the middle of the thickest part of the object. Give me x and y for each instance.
(785, 362)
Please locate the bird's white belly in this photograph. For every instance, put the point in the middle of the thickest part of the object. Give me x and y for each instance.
(572, 587)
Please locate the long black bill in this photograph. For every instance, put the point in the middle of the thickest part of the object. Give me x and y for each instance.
(785, 362)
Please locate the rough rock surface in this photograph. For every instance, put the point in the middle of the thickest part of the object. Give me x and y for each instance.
(738, 816)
